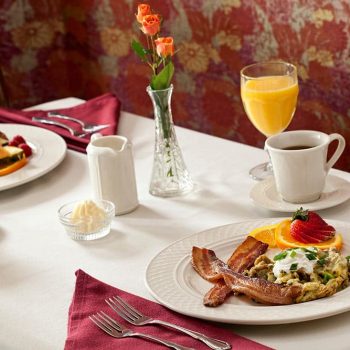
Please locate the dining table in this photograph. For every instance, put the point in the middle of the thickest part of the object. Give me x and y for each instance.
(38, 260)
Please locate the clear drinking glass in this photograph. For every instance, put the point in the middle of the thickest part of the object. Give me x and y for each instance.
(269, 92)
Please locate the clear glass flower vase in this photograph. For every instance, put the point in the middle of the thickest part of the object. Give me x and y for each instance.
(169, 175)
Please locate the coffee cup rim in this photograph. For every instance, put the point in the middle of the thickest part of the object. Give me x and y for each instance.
(299, 132)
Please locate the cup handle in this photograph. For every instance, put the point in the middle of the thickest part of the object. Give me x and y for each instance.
(338, 151)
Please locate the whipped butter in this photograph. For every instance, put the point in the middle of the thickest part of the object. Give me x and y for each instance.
(88, 216)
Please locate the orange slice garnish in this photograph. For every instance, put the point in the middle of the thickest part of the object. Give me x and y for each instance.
(13, 167)
(284, 239)
(265, 234)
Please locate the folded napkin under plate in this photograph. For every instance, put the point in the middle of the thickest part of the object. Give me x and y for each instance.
(89, 298)
(104, 109)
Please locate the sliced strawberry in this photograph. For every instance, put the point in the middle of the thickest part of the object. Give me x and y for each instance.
(26, 149)
(311, 237)
(314, 218)
(300, 236)
(309, 227)
(317, 230)
(322, 235)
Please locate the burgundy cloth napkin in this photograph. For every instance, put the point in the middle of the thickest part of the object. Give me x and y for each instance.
(88, 298)
(104, 109)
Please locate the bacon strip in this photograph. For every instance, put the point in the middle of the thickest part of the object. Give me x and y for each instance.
(204, 262)
(241, 259)
(244, 256)
(217, 294)
(211, 268)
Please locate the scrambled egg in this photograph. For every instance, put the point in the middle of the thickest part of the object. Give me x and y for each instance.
(329, 272)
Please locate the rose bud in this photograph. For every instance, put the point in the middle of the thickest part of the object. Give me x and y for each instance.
(142, 11)
(165, 46)
(151, 24)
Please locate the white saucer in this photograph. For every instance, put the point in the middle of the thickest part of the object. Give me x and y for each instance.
(264, 194)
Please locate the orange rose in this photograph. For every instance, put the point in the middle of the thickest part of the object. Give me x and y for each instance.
(165, 46)
(142, 11)
(151, 24)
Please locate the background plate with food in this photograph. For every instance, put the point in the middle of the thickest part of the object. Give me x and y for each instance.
(47, 151)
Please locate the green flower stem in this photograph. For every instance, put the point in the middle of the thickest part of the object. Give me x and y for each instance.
(165, 122)
(162, 103)
(154, 57)
(163, 118)
(161, 99)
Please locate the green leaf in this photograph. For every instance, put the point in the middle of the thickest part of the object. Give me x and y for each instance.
(162, 80)
(139, 50)
(301, 214)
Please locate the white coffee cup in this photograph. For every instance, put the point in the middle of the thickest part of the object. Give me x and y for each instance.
(300, 174)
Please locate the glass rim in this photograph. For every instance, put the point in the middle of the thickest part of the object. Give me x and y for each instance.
(149, 88)
(288, 64)
(109, 210)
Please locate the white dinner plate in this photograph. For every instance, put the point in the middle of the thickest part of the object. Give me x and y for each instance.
(264, 194)
(172, 280)
(49, 149)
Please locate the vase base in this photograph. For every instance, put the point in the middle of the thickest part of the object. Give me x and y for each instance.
(170, 192)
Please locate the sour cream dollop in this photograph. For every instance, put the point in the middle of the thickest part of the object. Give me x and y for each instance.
(295, 259)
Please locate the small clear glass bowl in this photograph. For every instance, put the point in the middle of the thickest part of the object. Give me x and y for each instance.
(87, 228)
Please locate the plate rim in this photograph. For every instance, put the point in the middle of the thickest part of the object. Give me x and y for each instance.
(256, 188)
(60, 142)
(322, 313)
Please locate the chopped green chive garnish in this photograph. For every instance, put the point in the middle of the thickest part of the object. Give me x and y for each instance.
(326, 277)
(280, 256)
(311, 250)
(311, 256)
(347, 257)
(293, 267)
(321, 261)
(293, 254)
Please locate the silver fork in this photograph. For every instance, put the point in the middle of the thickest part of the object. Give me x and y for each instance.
(85, 126)
(116, 330)
(135, 317)
(64, 126)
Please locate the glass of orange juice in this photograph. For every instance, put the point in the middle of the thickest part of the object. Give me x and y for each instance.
(269, 92)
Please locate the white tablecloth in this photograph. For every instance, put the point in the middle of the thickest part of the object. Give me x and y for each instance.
(38, 260)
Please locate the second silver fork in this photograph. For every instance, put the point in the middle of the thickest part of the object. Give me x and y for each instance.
(135, 317)
(116, 330)
(90, 128)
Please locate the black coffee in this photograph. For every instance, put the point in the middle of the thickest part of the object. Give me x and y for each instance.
(293, 148)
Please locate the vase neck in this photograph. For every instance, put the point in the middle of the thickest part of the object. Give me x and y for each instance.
(161, 100)
(160, 96)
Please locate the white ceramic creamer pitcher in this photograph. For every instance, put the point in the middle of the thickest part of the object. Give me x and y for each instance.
(112, 172)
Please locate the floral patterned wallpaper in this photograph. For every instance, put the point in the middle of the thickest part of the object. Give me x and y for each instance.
(51, 49)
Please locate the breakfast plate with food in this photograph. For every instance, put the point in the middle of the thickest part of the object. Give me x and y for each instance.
(27, 152)
(268, 271)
